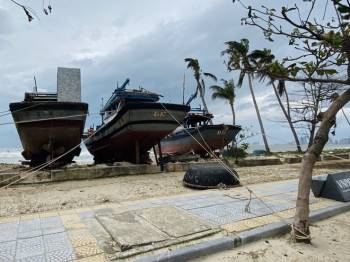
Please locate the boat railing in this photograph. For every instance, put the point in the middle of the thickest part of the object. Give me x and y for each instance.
(40, 96)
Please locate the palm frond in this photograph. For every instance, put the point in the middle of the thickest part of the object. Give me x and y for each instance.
(192, 63)
(261, 57)
(234, 46)
(226, 92)
(216, 88)
(210, 75)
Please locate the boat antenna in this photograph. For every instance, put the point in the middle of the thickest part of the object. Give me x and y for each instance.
(35, 88)
(101, 103)
(101, 111)
(183, 89)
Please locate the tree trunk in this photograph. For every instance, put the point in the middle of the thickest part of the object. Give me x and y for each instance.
(288, 118)
(234, 123)
(258, 115)
(201, 93)
(301, 220)
(233, 114)
(312, 132)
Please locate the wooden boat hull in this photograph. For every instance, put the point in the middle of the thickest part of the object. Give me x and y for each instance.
(133, 131)
(210, 137)
(44, 139)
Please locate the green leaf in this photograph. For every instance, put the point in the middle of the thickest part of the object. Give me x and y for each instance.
(343, 9)
(330, 71)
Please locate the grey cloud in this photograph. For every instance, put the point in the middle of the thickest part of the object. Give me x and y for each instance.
(146, 42)
(6, 26)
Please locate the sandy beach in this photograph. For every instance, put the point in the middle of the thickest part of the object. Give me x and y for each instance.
(25, 199)
(330, 242)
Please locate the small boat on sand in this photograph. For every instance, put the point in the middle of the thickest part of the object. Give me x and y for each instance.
(51, 124)
(197, 136)
(133, 121)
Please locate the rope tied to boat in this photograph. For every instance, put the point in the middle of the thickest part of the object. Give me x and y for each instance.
(247, 206)
(227, 168)
(34, 170)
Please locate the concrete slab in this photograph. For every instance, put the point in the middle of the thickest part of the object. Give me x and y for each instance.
(270, 230)
(51, 222)
(173, 221)
(7, 236)
(103, 238)
(129, 230)
(29, 225)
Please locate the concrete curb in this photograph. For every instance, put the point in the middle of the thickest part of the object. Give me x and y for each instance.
(266, 231)
(192, 252)
(226, 243)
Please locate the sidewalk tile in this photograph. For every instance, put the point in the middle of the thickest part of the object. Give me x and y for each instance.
(81, 238)
(98, 258)
(29, 247)
(87, 251)
(61, 255)
(7, 251)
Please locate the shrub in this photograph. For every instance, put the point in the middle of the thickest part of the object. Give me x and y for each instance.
(237, 152)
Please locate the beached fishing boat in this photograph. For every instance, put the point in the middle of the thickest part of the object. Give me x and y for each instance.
(51, 124)
(133, 121)
(197, 136)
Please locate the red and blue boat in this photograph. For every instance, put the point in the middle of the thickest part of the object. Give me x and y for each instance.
(198, 136)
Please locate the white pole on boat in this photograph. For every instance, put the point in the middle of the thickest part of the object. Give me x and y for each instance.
(183, 89)
(35, 91)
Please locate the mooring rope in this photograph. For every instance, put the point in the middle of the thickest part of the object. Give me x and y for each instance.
(299, 235)
(227, 168)
(48, 162)
(8, 112)
(46, 119)
(21, 173)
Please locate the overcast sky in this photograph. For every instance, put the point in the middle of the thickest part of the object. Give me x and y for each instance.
(145, 41)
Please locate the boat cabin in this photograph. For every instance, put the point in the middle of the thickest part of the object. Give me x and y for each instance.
(122, 95)
(68, 88)
(196, 119)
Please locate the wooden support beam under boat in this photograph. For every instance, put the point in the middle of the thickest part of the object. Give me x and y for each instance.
(155, 155)
(137, 152)
(160, 157)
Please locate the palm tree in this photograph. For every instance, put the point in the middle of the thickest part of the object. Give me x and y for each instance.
(227, 92)
(240, 59)
(261, 58)
(198, 74)
(281, 90)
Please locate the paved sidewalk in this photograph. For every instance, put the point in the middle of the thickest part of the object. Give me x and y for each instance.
(137, 229)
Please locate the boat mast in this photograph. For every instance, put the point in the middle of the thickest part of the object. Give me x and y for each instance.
(35, 88)
(183, 89)
(101, 111)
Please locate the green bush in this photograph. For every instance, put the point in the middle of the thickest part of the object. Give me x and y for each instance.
(237, 152)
